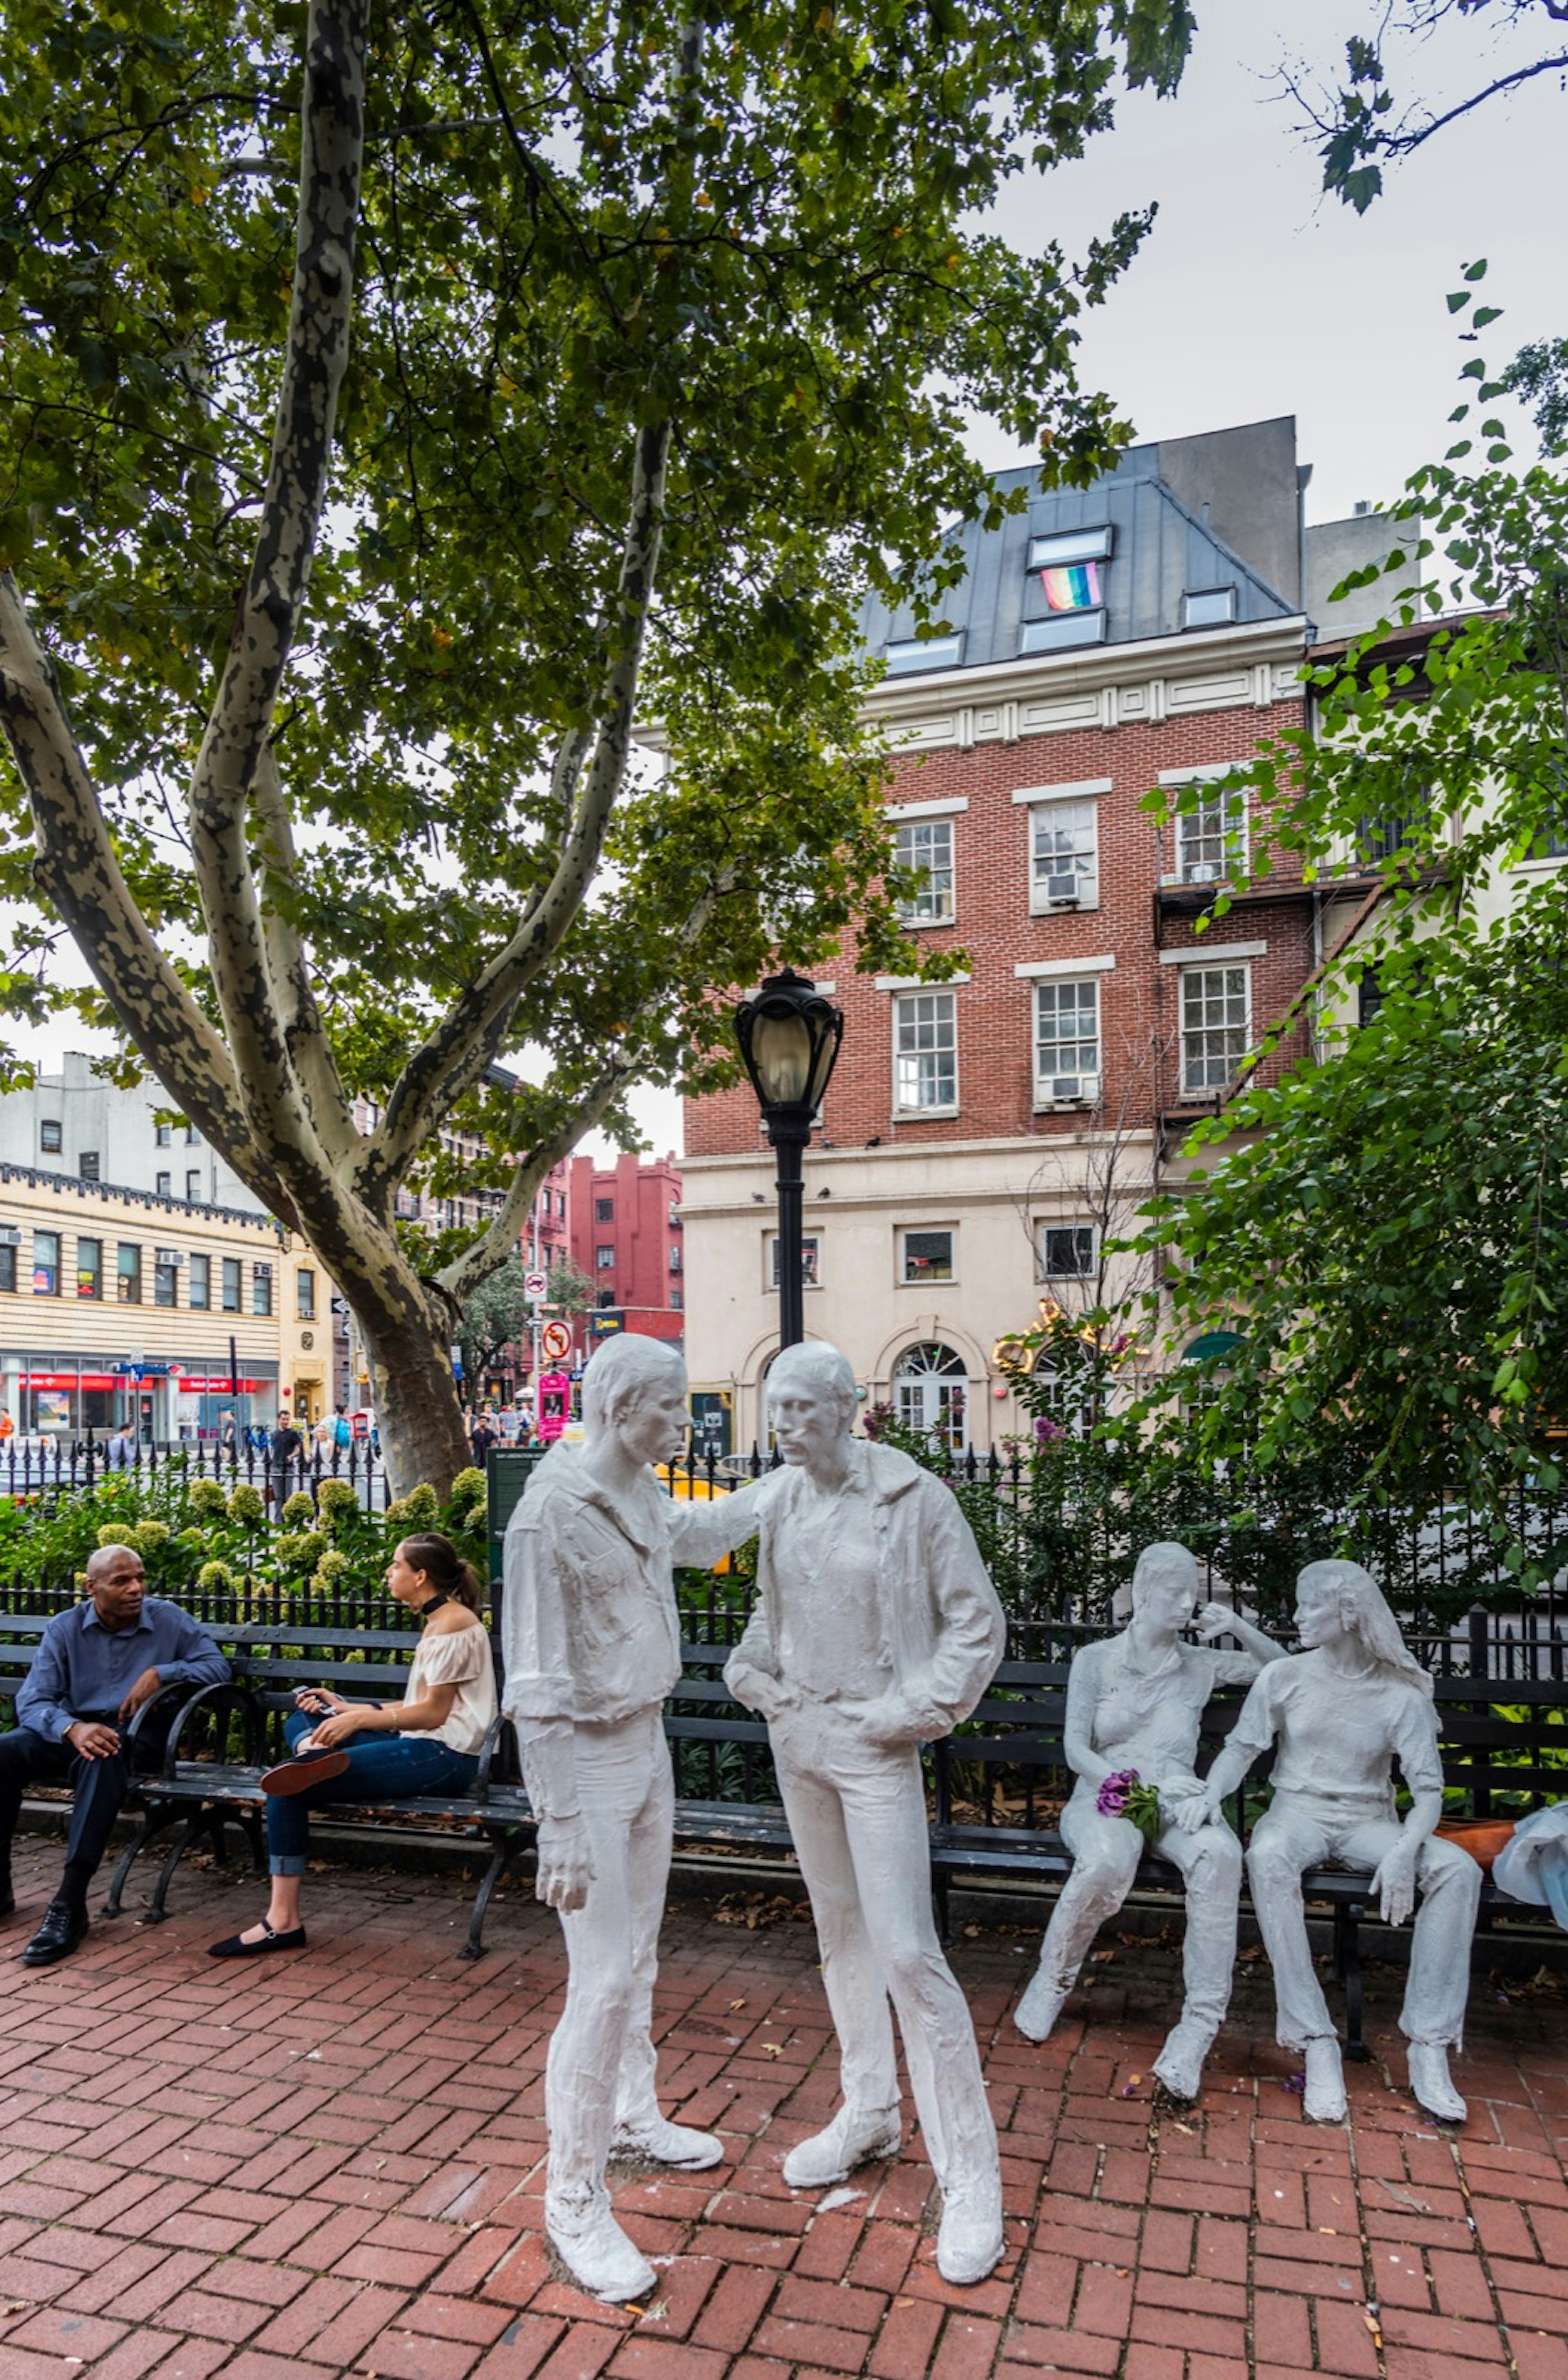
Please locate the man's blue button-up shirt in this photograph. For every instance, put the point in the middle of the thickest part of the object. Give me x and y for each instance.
(82, 1667)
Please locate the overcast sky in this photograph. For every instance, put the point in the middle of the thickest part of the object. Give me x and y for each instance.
(1254, 296)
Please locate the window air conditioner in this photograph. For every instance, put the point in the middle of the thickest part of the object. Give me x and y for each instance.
(9, 1236)
(1062, 891)
(1073, 1090)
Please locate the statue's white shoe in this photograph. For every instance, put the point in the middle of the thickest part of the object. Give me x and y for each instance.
(1180, 2064)
(854, 2137)
(970, 2241)
(652, 2136)
(594, 2249)
(1042, 2003)
(1432, 2084)
(1323, 2099)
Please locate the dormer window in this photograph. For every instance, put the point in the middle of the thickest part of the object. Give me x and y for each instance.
(1063, 548)
(1208, 607)
(923, 653)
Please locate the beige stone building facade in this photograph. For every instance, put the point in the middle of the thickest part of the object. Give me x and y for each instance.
(121, 1307)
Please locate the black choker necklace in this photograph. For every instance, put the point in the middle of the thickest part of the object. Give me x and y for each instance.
(435, 1604)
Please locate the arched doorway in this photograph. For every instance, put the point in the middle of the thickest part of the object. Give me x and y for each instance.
(931, 1392)
(1064, 1375)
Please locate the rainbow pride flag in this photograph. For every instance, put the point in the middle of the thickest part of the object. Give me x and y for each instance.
(1073, 589)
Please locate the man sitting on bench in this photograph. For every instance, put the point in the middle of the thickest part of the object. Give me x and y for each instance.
(96, 1666)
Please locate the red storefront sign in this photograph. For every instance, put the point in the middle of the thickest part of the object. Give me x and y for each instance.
(187, 1384)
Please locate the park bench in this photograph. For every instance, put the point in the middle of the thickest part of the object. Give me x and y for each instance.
(1008, 1764)
(206, 1776)
(997, 1787)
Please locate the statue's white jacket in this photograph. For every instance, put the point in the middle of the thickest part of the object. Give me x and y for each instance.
(589, 1627)
(942, 1627)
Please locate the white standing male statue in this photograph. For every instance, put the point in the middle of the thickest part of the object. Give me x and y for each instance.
(592, 1646)
(1135, 1702)
(876, 1627)
(1340, 1713)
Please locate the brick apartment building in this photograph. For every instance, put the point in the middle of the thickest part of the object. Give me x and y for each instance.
(981, 1140)
(628, 1238)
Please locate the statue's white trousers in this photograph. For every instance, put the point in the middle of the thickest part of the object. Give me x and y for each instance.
(1303, 1830)
(600, 2066)
(858, 1817)
(1106, 1851)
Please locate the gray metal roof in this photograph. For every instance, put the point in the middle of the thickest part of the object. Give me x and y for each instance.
(1161, 551)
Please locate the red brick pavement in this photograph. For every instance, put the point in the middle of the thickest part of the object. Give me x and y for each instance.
(332, 2165)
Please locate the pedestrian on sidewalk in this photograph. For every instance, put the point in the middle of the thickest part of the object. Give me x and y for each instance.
(96, 1667)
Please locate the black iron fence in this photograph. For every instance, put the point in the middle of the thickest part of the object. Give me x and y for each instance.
(56, 1467)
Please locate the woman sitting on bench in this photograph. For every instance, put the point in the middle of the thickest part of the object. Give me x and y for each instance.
(348, 1752)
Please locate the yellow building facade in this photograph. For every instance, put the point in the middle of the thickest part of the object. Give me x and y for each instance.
(123, 1308)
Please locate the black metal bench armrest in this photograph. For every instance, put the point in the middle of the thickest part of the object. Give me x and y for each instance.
(145, 1724)
(488, 1750)
(229, 1694)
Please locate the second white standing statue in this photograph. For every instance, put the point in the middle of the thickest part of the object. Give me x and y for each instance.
(1340, 1713)
(876, 1627)
(1135, 1702)
(592, 1645)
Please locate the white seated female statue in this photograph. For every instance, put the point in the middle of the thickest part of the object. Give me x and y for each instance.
(1135, 1702)
(1338, 1716)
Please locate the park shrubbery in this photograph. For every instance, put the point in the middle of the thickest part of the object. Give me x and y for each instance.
(227, 1539)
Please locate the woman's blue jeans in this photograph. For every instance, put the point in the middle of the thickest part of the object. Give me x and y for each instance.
(382, 1767)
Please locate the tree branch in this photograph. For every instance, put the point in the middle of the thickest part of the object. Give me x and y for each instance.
(1400, 144)
(79, 874)
(331, 143)
(470, 1268)
(310, 1051)
(456, 1054)
(463, 1275)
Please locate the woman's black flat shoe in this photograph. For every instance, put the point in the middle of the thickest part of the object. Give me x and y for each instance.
(237, 1947)
(306, 1768)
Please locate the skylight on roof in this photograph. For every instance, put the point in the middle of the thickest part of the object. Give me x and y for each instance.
(924, 653)
(1069, 545)
(1062, 628)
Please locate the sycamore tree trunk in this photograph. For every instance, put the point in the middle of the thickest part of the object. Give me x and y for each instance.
(415, 1403)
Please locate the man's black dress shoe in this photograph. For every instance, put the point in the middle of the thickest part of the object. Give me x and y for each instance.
(63, 1927)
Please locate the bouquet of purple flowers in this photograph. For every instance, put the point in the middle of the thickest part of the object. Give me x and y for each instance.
(1125, 1795)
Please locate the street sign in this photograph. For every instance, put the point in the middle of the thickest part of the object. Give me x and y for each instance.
(555, 1341)
(535, 1285)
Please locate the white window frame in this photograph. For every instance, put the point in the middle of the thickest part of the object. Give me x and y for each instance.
(905, 1062)
(810, 1260)
(1081, 1272)
(1205, 1057)
(910, 912)
(1081, 821)
(1223, 599)
(1058, 549)
(1087, 1078)
(907, 655)
(908, 1279)
(1209, 845)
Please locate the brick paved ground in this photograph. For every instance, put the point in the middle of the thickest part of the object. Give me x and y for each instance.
(332, 2165)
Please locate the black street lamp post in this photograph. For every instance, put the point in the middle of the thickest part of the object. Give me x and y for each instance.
(789, 1037)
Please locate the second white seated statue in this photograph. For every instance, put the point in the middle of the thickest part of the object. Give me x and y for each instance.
(1135, 1702)
(1338, 1716)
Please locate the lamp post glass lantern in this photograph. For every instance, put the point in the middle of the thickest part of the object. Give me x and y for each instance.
(789, 1035)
